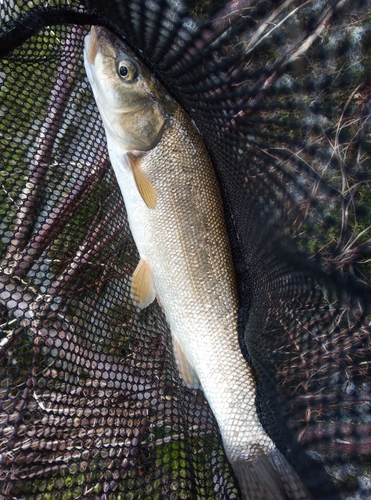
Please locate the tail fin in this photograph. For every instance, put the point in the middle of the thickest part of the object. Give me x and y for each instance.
(269, 477)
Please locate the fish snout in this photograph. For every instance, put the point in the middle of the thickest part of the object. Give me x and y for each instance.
(91, 44)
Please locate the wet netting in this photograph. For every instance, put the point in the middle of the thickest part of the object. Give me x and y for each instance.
(91, 402)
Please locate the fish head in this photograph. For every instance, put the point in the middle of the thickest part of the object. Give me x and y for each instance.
(134, 106)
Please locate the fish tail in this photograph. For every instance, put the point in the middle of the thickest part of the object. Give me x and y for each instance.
(269, 477)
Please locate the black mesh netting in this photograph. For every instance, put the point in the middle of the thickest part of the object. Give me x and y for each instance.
(91, 403)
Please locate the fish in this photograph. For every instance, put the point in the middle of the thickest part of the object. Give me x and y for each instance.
(176, 216)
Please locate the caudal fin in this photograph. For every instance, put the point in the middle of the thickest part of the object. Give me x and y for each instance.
(269, 477)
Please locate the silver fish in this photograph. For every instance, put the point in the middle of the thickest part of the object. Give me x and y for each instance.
(176, 217)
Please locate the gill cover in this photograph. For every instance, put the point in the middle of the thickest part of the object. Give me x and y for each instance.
(133, 105)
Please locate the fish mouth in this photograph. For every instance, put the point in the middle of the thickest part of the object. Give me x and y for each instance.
(91, 45)
(93, 42)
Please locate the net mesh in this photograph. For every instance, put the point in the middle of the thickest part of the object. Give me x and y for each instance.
(91, 403)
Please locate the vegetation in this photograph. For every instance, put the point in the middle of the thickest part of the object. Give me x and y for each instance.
(69, 330)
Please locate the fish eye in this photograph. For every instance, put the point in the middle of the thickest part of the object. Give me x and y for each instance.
(127, 70)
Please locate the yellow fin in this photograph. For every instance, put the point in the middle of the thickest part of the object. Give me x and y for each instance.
(186, 370)
(145, 188)
(142, 286)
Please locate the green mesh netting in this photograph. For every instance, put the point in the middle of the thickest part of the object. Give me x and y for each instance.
(91, 403)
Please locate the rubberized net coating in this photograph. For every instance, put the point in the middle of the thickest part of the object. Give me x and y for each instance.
(91, 403)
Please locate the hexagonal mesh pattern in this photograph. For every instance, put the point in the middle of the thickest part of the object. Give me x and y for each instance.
(91, 402)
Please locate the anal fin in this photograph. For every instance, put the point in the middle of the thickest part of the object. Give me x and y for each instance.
(145, 188)
(142, 286)
(186, 370)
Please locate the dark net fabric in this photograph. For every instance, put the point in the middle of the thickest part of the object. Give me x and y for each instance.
(91, 403)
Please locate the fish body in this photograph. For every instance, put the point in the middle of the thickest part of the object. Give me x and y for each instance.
(176, 216)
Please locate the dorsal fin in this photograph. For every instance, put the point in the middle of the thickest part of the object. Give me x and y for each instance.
(145, 188)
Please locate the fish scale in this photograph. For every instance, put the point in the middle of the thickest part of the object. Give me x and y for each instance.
(176, 216)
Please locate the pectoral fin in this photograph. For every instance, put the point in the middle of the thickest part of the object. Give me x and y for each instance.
(186, 370)
(142, 286)
(145, 188)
